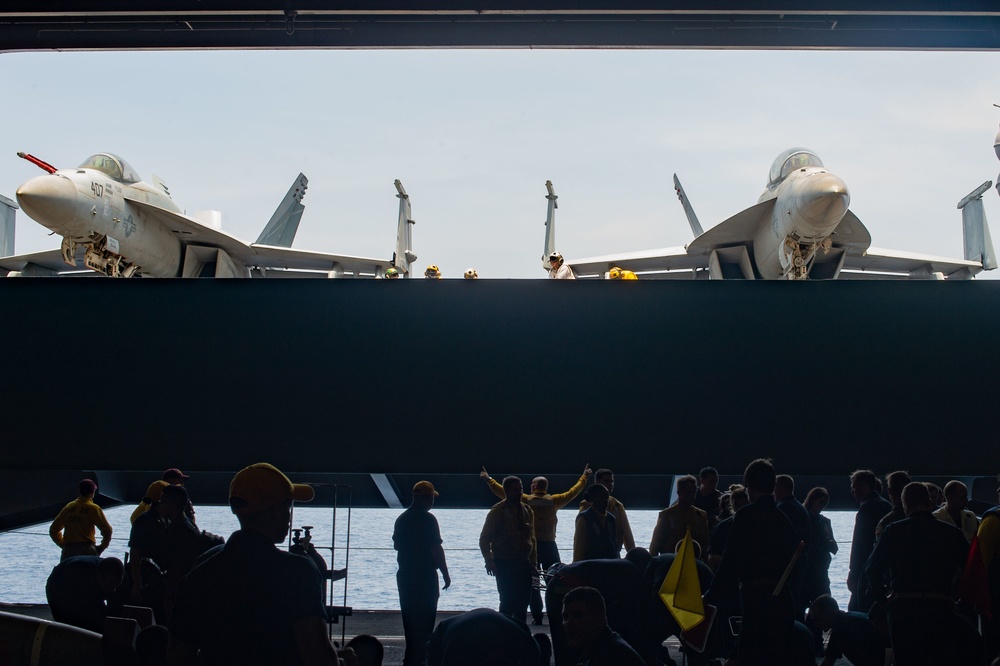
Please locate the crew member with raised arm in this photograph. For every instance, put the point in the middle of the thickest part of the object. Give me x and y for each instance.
(543, 506)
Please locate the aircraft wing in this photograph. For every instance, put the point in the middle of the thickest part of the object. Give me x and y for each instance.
(737, 230)
(49, 260)
(269, 256)
(649, 261)
(193, 232)
(887, 264)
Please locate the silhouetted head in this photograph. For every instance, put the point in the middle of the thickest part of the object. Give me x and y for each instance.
(261, 496)
(512, 488)
(584, 617)
(915, 498)
(598, 496)
(87, 488)
(823, 611)
(863, 484)
(956, 495)
(784, 486)
(368, 649)
(709, 478)
(687, 488)
(817, 499)
(606, 478)
(758, 477)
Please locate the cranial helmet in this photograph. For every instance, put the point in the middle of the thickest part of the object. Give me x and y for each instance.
(555, 256)
(471, 274)
(432, 271)
(392, 274)
(615, 273)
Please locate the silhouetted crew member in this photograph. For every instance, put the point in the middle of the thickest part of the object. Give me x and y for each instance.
(483, 637)
(623, 534)
(709, 497)
(954, 510)
(74, 528)
(852, 634)
(864, 487)
(544, 507)
(673, 522)
(989, 548)
(594, 534)
(417, 540)
(585, 624)
(79, 587)
(789, 504)
(620, 581)
(250, 603)
(920, 560)
(507, 543)
(894, 484)
(760, 548)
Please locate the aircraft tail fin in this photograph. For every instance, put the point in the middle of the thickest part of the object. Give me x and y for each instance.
(7, 212)
(550, 225)
(404, 256)
(284, 223)
(975, 230)
(688, 210)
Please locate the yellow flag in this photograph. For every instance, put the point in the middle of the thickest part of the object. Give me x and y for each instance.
(681, 591)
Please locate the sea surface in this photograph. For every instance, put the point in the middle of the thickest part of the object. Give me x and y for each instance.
(27, 555)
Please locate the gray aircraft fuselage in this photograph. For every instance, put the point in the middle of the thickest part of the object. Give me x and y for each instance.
(810, 203)
(90, 206)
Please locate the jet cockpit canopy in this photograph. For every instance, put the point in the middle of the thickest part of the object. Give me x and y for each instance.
(113, 166)
(789, 161)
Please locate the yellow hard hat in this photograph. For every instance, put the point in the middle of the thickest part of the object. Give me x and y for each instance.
(615, 273)
(432, 271)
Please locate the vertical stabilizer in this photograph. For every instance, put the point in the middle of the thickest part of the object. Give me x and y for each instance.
(280, 230)
(975, 230)
(550, 225)
(404, 256)
(688, 210)
(7, 212)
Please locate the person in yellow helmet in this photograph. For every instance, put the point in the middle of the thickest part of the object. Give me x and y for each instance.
(391, 274)
(432, 272)
(617, 273)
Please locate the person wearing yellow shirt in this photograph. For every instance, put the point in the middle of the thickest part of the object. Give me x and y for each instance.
(74, 529)
(543, 506)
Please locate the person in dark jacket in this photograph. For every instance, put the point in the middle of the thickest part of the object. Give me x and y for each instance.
(864, 487)
(920, 560)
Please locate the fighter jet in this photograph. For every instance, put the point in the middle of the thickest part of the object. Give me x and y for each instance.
(801, 228)
(115, 224)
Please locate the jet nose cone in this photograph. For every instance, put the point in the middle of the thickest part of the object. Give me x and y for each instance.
(823, 200)
(49, 200)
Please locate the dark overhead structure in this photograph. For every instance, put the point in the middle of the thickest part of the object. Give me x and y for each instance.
(29, 25)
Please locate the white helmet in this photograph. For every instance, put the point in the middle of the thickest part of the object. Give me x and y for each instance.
(471, 274)
(555, 256)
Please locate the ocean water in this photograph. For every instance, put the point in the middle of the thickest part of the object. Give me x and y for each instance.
(27, 555)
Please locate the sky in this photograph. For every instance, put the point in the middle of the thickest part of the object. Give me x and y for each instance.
(474, 134)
